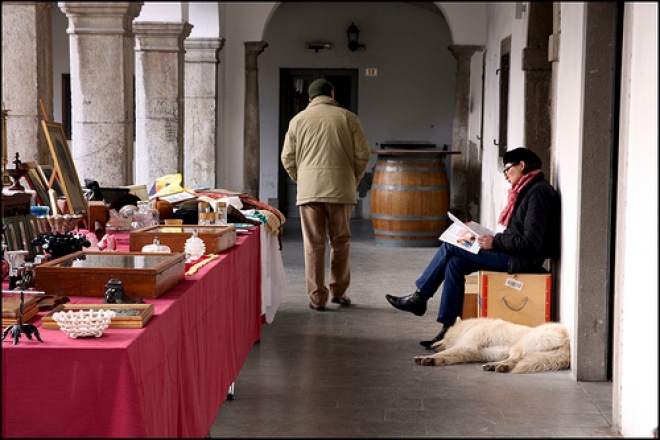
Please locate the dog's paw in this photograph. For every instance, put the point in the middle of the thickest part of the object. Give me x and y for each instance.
(424, 360)
(502, 368)
(488, 367)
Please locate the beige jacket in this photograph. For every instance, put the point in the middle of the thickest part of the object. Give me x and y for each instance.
(325, 152)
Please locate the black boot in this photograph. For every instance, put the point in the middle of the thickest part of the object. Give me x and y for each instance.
(413, 303)
(438, 337)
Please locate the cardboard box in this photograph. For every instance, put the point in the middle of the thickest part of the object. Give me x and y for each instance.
(471, 298)
(518, 298)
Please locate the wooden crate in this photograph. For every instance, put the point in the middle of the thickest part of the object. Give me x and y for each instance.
(83, 273)
(518, 298)
(215, 238)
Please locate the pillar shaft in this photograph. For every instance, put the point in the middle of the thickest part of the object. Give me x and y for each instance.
(101, 51)
(252, 150)
(465, 168)
(27, 77)
(201, 114)
(159, 115)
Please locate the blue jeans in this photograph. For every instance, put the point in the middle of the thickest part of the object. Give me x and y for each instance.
(450, 264)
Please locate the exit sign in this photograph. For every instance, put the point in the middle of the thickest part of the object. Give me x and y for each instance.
(370, 71)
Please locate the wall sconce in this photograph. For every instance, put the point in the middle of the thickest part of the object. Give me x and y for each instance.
(316, 46)
(353, 34)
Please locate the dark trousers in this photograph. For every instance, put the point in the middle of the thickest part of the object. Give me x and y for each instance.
(450, 264)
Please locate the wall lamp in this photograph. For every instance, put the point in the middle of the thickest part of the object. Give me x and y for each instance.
(353, 34)
(318, 46)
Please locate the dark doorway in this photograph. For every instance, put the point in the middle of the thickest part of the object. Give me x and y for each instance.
(293, 99)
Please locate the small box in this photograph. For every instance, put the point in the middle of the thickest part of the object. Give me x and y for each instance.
(471, 298)
(98, 212)
(215, 238)
(84, 273)
(519, 298)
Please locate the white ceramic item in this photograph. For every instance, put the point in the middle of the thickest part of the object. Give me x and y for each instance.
(83, 323)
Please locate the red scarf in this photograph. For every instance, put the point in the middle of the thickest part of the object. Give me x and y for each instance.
(514, 191)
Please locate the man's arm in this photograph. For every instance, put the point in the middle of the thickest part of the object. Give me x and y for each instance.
(288, 156)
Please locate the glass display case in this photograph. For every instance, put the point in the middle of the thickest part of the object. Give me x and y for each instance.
(215, 238)
(84, 273)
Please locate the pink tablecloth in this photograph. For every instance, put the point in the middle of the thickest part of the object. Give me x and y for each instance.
(167, 379)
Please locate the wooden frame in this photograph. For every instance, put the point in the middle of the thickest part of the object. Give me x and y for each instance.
(51, 182)
(10, 230)
(19, 234)
(65, 168)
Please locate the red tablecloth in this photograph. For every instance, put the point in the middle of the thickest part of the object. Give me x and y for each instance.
(167, 379)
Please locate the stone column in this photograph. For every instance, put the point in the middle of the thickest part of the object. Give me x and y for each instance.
(27, 76)
(159, 114)
(465, 168)
(201, 123)
(251, 162)
(101, 48)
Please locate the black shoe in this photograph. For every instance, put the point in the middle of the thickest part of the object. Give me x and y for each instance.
(438, 337)
(413, 303)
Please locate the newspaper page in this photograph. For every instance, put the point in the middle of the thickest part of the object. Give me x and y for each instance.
(462, 235)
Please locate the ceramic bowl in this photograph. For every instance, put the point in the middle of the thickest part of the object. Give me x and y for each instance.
(84, 323)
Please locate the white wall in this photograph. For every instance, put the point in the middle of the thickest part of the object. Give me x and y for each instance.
(60, 59)
(636, 279)
(501, 24)
(412, 98)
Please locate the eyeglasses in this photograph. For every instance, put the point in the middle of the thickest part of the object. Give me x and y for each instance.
(506, 170)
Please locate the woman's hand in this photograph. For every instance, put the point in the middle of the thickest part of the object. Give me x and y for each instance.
(485, 241)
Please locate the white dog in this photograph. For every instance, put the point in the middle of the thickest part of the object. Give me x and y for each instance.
(507, 347)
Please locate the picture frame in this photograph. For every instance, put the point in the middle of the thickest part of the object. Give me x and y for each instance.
(65, 168)
(37, 181)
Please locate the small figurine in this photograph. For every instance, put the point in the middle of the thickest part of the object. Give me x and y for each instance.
(108, 243)
(114, 294)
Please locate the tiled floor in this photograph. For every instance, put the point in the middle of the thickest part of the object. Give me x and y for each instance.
(348, 372)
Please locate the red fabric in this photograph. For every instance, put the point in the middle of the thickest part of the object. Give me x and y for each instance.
(167, 379)
(507, 212)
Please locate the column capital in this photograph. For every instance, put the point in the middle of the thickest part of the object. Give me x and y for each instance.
(160, 36)
(100, 17)
(203, 50)
(462, 51)
(252, 51)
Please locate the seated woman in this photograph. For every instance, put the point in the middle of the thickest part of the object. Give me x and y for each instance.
(532, 221)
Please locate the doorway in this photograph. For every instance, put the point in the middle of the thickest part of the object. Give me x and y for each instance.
(293, 99)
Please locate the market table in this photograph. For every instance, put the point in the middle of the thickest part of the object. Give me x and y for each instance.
(167, 379)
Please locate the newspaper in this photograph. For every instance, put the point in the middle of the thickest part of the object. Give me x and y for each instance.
(464, 236)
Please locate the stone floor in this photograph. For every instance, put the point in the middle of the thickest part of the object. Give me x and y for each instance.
(348, 371)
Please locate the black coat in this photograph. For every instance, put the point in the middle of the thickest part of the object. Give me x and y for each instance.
(533, 234)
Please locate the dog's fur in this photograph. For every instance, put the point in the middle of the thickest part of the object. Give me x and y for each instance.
(505, 346)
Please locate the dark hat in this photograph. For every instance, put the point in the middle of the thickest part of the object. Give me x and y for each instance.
(320, 86)
(518, 154)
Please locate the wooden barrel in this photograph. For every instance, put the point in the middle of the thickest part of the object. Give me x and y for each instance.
(409, 200)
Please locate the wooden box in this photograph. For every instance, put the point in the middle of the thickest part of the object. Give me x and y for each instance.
(518, 298)
(215, 238)
(83, 273)
(98, 212)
